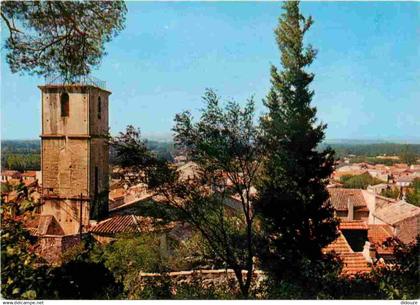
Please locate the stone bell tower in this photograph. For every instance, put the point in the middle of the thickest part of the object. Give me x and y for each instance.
(74, 158)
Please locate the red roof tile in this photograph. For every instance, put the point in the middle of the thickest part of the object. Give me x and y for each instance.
(128, 224)
(340, 197)
(353, 225)
(29, 174)
(354, 263)
(340, 245)
(377, 235)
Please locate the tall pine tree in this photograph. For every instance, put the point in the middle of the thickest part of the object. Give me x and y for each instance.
(297, 220)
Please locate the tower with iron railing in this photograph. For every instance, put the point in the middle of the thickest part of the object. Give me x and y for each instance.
(74, 157)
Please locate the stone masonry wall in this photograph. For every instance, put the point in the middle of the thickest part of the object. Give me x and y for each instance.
(51, 247)
(217, 278)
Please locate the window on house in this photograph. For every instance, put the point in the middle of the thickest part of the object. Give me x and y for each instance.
(65, 106)
(99, 107)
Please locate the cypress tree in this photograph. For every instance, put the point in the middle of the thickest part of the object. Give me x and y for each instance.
(297, 220)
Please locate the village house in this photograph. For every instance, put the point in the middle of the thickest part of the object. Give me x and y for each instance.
(367, 222)
(29, 176)
(379, 188)
(402, 217)
(8, 175)
(349, 204)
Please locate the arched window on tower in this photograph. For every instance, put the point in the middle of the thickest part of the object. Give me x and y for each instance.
(65, 105)
(99, 107)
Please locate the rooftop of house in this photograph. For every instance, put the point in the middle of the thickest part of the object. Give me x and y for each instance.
(130, 224)
(131, 200)
(340, 245)
(377, 235)
(29, 174)
(405, 179)
(340, 197)
(116, 193)
(10, 173)
(353, 225)
(188, 171)
(353, 262)
(393, 213)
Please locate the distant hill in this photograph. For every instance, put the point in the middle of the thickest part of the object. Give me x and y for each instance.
(24, 154)
(372, 149)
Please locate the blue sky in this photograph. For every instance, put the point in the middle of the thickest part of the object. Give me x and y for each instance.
(367, 68)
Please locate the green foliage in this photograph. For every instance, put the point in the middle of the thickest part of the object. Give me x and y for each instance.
(25, 276)
(194, 253)
(197, 290)
(20, 146)
(19, 275)
(413, 194)
(83, 280)
(131, 154)
(159, 288)
(164, 287)
(224, 144)
(129, 255)
(21, 162)
(20, 155)
(344, 178)
(24, 155)
(99, 206)
(408, 155)
(374, 160)
(6, 187)
(391, 193)
(64, 37)
(400, 281)
(296, 221)
(315, 281)
(361, 181)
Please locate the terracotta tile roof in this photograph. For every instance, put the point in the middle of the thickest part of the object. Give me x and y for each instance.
(340, 245)
(340, 197)
(396, 212)
(353, 225)
(30, 183)
(377, 235)
(29, 174)
(354, 263)
(129, 224)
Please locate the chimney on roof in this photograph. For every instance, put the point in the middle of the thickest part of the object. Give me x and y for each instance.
(350, 208)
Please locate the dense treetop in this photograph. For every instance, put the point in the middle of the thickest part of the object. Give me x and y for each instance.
(64, 38)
